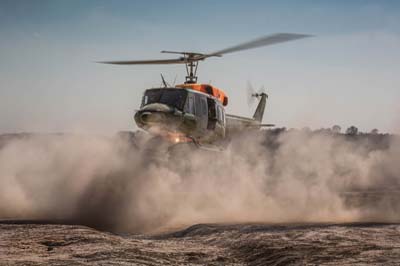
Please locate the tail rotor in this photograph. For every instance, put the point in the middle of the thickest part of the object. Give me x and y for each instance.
(252, 95)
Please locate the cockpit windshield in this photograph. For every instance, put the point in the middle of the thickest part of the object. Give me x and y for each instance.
(171, 97)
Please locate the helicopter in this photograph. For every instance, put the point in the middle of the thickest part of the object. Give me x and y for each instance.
(194, 112)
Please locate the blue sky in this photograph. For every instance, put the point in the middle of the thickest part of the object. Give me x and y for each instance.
(348, 74)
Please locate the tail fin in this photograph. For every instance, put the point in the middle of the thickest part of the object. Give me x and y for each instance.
(259, 113)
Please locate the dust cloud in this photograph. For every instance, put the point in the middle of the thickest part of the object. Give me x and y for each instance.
(118, 184)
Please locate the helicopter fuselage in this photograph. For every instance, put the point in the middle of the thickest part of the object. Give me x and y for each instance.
(182, 114)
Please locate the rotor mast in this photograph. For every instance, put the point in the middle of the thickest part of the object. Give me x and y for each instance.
(191, 61)
(191, 70)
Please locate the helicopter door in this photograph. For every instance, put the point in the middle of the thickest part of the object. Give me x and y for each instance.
(212, 114)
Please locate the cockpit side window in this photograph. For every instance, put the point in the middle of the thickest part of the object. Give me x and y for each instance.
(145, 99)
(221, 114)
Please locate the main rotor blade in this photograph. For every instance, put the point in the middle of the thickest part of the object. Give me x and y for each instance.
(180, 60)
(191, 57)
(183, 53)
(263, 41)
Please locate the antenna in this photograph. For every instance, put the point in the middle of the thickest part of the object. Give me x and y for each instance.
(163, 81)
(176, 76)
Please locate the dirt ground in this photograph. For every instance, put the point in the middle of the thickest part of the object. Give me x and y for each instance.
(28, 243)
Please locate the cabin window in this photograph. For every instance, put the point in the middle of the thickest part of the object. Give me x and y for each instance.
(200, 105)
(203, 106)
(212, 112)
(190, 106)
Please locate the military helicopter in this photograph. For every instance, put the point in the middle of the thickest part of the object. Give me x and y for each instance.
(195, 112)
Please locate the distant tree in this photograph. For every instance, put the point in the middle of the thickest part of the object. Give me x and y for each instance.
(336, 129)
(278, 130)
(375, 131)
(323, 131)
(352, 131)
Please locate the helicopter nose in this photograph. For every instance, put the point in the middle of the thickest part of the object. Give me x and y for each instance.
(151, 117)
(145, 117)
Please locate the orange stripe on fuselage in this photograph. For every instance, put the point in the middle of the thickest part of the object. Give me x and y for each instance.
(206, 88)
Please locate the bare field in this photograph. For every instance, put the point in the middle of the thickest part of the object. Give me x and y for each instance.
(203, 244)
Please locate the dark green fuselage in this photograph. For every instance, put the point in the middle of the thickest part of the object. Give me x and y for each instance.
(194, 114)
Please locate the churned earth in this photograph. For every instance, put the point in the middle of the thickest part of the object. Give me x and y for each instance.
(44, 243)
(103, 189)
